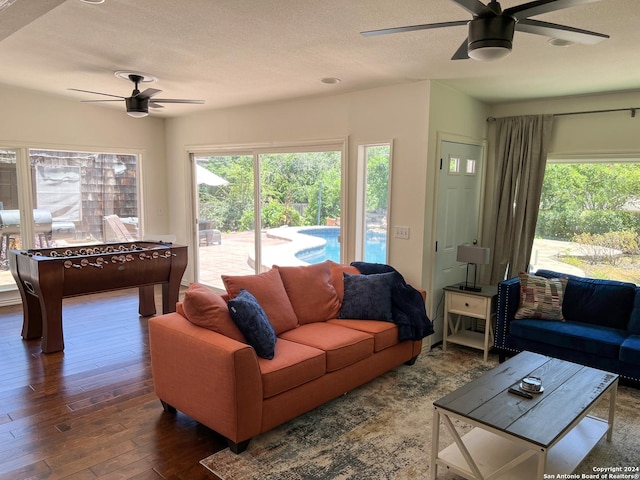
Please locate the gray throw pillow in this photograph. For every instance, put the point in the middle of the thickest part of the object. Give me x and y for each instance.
(251, 320)
(367, 297)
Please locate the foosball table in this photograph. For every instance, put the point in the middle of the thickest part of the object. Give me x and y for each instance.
(47, 275)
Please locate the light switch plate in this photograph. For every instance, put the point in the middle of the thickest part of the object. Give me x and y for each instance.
(401, 232)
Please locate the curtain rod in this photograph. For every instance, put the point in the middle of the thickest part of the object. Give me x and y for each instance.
(632, 110)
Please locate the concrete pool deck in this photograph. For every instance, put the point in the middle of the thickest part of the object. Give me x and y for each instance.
(236, 254)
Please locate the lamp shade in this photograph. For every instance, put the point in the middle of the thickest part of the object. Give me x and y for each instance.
(475, 255)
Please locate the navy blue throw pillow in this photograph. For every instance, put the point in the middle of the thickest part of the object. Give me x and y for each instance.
(250, 318)
(367, 297)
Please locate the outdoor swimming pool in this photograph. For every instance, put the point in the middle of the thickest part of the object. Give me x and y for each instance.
(375, 250)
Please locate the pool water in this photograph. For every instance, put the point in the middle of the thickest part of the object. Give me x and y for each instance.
(375, 248)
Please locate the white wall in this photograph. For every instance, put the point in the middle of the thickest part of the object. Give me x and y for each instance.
(396, 113)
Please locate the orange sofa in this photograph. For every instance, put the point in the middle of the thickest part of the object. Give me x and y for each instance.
(203, 367)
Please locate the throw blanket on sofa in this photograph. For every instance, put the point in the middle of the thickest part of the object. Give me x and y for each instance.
(408, 309)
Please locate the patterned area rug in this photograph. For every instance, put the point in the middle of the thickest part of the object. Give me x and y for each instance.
(382, 430)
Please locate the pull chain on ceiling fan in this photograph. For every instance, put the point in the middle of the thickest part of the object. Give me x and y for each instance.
(138, 103)
(491, 30)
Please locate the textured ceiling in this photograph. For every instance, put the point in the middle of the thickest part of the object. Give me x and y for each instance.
(238, 52)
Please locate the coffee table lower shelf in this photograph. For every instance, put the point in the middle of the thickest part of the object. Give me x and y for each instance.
(491, 452)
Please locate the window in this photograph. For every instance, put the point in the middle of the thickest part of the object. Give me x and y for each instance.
(264, 207)
(589, 220)
(374, 180)
(75, 198)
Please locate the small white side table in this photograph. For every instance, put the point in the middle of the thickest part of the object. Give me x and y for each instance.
(460, 306)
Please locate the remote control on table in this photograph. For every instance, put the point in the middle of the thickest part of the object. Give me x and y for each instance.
(515, 391)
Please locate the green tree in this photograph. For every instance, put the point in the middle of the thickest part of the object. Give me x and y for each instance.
(378, 179)
(587, 197)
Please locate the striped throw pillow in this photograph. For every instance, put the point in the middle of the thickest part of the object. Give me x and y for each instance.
(541, 297)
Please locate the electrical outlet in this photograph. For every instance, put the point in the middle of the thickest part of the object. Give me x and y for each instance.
(401, 232)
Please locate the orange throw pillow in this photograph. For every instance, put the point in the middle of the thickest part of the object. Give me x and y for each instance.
(205, 308)
(268, 289)
(337, 269)
(312, 295)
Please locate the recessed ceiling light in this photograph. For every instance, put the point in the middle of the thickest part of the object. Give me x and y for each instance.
(146, 78)
(93, 2)
(558, 42)
(330, 80)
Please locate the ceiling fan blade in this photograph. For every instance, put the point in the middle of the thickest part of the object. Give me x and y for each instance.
(410, 28)
(463, 51)
(153, 104)
(105, 100)
(148, 93)
(475, 7)
(538, 7)
(562, 32)
(95, 93)
(176, 100)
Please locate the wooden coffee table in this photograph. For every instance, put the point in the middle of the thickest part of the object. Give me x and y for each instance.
(520, 438)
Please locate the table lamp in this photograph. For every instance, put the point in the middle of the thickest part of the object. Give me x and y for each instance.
(472, 256)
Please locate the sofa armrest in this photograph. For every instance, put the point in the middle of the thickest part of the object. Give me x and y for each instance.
(507, 306)
(212, 378)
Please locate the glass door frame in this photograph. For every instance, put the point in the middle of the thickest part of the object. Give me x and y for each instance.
(255, 150)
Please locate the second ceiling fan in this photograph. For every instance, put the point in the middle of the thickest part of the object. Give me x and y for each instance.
(491, 29)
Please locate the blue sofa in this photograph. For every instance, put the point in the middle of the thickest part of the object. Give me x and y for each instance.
(601, 327)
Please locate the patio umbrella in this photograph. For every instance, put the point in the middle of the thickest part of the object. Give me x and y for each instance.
(207, 177)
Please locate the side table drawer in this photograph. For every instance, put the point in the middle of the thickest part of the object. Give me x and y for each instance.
(468, 305)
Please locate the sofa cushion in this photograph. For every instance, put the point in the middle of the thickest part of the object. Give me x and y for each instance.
(630, 350)
(634, 321)
(250, 318)
(601, 302)
(541, 297)
(312, 295)
(589, 338)
(293, 365)
(385, 334)
(337, 277)
(343, 346)
(367, 297)
(205, 308)
(268, 289)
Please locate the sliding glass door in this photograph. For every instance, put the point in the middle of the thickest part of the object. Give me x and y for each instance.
(263, 208)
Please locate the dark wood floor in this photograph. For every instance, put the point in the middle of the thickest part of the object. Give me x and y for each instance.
(90, 412)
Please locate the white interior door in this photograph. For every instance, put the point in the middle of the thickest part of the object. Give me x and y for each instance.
(458, 213)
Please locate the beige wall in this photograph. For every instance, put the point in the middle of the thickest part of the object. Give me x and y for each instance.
(397, 113)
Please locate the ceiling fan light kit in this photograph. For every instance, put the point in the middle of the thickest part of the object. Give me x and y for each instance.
(137, 107)
(490, 38)
(491, 30)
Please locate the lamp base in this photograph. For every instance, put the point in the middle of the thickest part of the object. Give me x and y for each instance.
(469, 288)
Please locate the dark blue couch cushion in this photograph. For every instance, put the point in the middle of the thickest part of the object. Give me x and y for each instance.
(630, 350)
(634, 322)
(252, 321)
(603, 341)
(601, 302)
